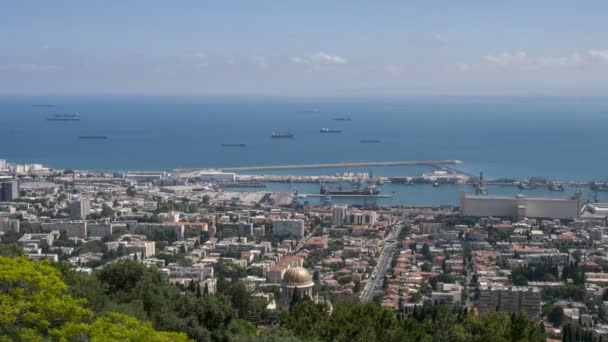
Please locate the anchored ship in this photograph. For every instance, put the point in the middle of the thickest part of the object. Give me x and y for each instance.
(370, 141)
(278, 135)
(64, 117)
(330, 130)
(369, 190)
(93, 137)
(342, 119)
(234, 145)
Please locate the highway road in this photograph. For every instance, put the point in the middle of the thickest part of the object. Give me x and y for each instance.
(374, 283)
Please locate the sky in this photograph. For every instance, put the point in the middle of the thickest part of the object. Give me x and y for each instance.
(303, 48)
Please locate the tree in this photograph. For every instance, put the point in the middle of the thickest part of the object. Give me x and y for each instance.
(295, 299)
(11, 250)
(131, 192)
(426, 252)
(116, 327)
(36, 305)
(107, 211)
(34, 299)
(556, 316)
(520, 280)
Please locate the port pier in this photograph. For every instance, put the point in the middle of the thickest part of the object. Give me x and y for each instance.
(432, 163)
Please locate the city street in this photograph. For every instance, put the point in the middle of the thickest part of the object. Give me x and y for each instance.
(374, 283)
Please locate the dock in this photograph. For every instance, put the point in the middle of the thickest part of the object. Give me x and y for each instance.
(431, 163)
(359, 196)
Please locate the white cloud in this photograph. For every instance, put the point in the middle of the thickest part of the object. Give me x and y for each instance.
(325, 58)
(197, 59)
(30, 68)
(318, 59)
(507, 59)
(557, 62)
(299, 60)
(394, 69)
(521, 59)
(260, 61)
(463, 66)
(599, 54)
(438, 37)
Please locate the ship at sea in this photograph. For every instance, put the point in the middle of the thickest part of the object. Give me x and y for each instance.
(370, 141)
(369, 190)
(284, 135)
(43, 105)
(103, 137)
(330, 130)
(64, 117)
(234, 145)
(599, 186)
(346, 118)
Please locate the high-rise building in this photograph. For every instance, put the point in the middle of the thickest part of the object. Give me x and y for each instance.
(9, 190)
(80, 208)
(361, 217)
(512, 299)
(288, 227)
(338, 214)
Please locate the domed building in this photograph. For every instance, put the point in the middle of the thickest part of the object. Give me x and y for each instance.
(298, 280)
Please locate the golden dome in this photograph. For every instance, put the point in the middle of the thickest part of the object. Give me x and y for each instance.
(297, 276)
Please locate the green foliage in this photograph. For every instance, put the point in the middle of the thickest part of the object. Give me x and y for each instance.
(116, 327)
(430, 323)
(426, 252)
(572, 292)
(426, 267)
(34, 299)
(37, 305)
(10, 237)
(556, 316)
(541, 272)
(10, 250)
(177, 206)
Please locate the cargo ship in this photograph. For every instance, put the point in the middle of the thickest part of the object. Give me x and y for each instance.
(284, 135)
(370, 141)
(357, 191)
(599, 186)
(43, 105)
(342, 119)
(330, 130)
(93, 137)
(64, 117)
(234, 145)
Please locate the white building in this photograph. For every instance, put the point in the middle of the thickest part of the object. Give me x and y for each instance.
(361, 218)
(9, 225)
(519, 207)
(285, 227)
(71, 229)
(99, 229)
(338, 214)
(80, 208)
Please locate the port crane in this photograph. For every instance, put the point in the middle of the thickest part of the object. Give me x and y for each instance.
(480, 187)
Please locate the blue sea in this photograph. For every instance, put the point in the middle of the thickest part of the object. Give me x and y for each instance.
(557, 138)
